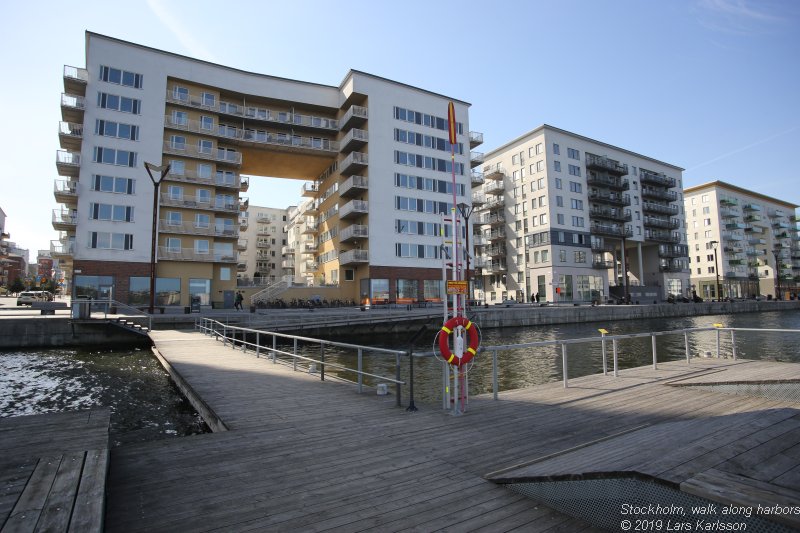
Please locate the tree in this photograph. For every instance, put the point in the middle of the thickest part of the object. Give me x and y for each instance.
(17, 286)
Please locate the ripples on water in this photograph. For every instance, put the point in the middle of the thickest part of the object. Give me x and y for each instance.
(524, 367)
(144, 402)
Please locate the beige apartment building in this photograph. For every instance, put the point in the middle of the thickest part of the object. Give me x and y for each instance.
(577, 220)
(262, 241)
(741, 241)
(371, 156)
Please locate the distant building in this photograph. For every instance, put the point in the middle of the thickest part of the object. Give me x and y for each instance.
(44, 266)
(261, 238)
(4, 236)
(577, 220)
(747, 240)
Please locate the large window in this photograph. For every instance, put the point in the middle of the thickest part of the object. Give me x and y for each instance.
(94, 287)
(112, 184)
(120, 77)
(379, 289)
(168, 291)
(110, 156)
(110, 241)
(200, 290)
(407, 290)
(117, 213)
(119, 103)
(109, 128)
(432, 290)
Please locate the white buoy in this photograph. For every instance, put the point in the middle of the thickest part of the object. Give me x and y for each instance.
(312, 368)
(383, 389)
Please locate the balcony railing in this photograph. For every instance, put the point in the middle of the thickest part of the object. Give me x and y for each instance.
(189, 150)
(70, 134)
(354, 162)
(671, 251)
(62, 249)
(494, 172)
(478, 199)
(660, 194)
(354, 138)
(190, 254)
(497, 202)
(613, 230)
(73, 102)
(196, 202)
(354, 231)
(309, 189)
(662, 236)
(80, 75)
(661, 209)
(475, 158)
(475, 139)
(603, 264)
(610, 198)
(354, 256)
(751, 207)
(729, 212)
(190, 228)
(676, 265)
(607, 213)
(601, 180)
(606, 164)
(68, 163)
(658, 222)
(657, 178)
(355, 115)
(65, 191)
(493, 219)
(64, 218)
(494, 187)
(353, 208)
(476, 177)
(353, 186)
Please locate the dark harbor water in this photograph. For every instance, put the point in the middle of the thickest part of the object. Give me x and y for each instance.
(145, 404)
(524, 367)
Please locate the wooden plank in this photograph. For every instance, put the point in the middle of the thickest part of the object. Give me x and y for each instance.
(57, 509)
(29, 507)
(89, 506)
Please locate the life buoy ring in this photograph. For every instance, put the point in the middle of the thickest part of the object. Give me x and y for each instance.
(444, 336)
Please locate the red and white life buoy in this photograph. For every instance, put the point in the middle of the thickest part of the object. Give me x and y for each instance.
(444, 336)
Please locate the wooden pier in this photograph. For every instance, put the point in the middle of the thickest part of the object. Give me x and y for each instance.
(294, 453)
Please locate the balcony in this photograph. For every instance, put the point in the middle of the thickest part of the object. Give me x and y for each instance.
(70, 135)
(241, 245)
(753, 218)
(656, 178)
(494, 172)
(751, 207)
(756, 241)
(479, 240)
(729, 212)
(355, 116)
(309, 248)
(475, 139)
(288, 264)
(190, 254)
(353, 209)
(196, 202)
(310, 228)
(220, 155)
(603, 264)
(309, 190)
(728, 202)
(613, 183)
(241, 267)
(243, 224)
(354, 232)
(658, 222)
(232, 181)
(497, 234)
(605, 164)
(609, 197)
(64, 220)
(478, 199)
(262, 244)
(476, 177)
(659, 209)
(675, 265)
(494, 219)
(780, 225)
(309, 208)
(351, 257)
(610, 213)
(732, 236)
(354, 138)
(659, 194)
(782, 235)
(673, 251)
(68, 164)
(475, 159)
(66, 191)
(62, 250)
(262, 255)
(497, 202)
(735, 225)
(495, 187)
(611, 230)
(72, 108)
(75, 80)
(496, 251)
(776, 213)
(191, 228)
(354, 162)
(662, 236)
(287, 250)
(599, 246)
(354, 186)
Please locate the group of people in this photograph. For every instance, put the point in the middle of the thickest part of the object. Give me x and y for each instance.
(535, 297)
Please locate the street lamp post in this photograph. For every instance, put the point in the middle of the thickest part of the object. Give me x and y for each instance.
(714, 245)
(466, 212)
(162, 171)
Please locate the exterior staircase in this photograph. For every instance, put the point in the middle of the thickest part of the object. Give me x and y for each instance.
(271, 291)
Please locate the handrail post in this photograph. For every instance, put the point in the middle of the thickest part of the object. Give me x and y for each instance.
(322, 361)
(564, 364)
(655, 357)
(733, 343)
(224, 336)
(494, 374)
(397, 377)
(445, 385)
(274, 347)
(258, 343)
(686, 346)
(360, 369)
(616, 367)
(411, 406)
(294, 359)
(717, 343)
(603, 350)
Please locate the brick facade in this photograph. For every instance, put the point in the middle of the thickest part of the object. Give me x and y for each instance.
(120, 270)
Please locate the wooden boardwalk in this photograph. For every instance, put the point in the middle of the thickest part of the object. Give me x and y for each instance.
(310, 456)
(53, 471)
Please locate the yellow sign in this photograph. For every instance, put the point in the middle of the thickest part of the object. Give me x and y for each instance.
(603, 331)
(456, 286)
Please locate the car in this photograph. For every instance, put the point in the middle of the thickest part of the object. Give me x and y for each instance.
(28, 297)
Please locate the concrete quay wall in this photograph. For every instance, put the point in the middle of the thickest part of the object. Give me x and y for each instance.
(56, 332)
(530, 315)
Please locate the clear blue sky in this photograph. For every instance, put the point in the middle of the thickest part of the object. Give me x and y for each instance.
(708, 85)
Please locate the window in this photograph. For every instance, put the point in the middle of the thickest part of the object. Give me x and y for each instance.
(557, 166)
(202, 220)
(201, 246)
(539, 166)
(539, 148)
(580, 257)
(573, 153)
(177, 142)
(562, 256)
(204, 170)
(120, 77)
(543, 220)
(108, 128)
(556, 149)
(574, 170)
(540, 183)
(542, 201)
(110, 241)
(558, 183)
(576, 204)
(704, 198)
(709, 257)
(545, 256)
(706, 221)
(711, 270)
(175, 192)
(204, 146)
(208, 100)
(203, 196)
(515, 159)
(180, 118)
(206, 123)
(117, 213)
(706, 210)
(577, 222)
(574, 186)
(559, 201)
(560, 218)
(112, 184)
(119, 103)
(110, 156)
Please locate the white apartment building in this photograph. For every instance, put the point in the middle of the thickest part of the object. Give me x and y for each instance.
(374, 154)
(741, 241)
(577, 220)
(262, 238)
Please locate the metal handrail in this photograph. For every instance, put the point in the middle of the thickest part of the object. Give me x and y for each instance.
(219, 330)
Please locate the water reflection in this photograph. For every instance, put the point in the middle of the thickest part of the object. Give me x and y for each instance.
(524, 367)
